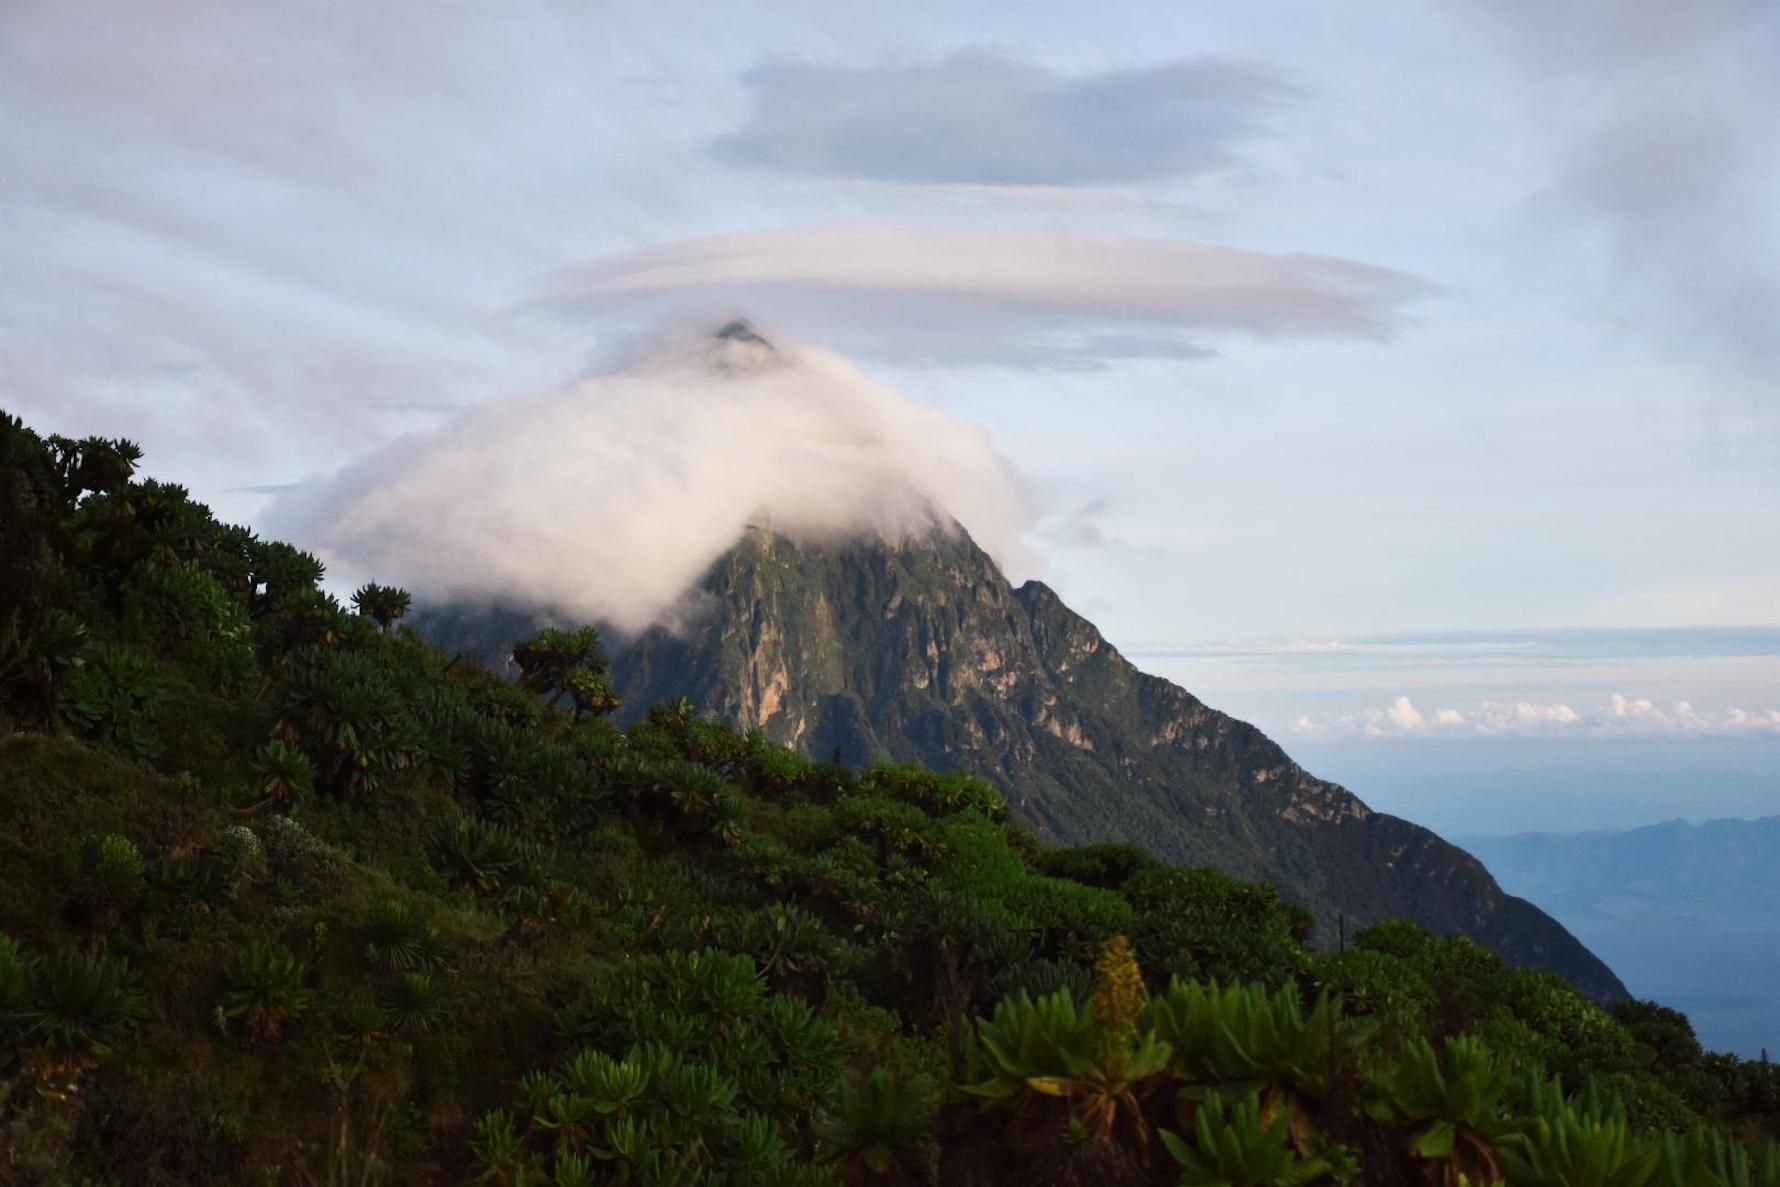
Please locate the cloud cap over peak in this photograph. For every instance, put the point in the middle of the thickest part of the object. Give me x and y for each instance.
(606, 500)
(1021, 297)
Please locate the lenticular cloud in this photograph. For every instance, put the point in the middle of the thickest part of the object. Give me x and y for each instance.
(608, 499)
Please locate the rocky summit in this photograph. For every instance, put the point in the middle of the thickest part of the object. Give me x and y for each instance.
(921, 650)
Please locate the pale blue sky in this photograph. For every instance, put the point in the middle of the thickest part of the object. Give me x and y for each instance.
(1528, 383)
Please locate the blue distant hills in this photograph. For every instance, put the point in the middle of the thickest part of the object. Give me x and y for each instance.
(1685, 913)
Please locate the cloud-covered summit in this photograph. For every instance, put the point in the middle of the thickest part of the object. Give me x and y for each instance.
(607, 500)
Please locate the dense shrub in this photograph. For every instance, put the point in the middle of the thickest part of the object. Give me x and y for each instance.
(310, 901)
(113, 699)
(266, 990)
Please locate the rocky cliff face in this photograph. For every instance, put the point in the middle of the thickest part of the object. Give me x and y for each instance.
(923, 651)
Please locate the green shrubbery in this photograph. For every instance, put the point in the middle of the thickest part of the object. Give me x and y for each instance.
(65, 1005)
(266, 990)
(301, 900)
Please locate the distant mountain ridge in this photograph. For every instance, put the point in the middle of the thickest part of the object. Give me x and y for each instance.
(921, 650)
(1729, 868)
(1684, 911)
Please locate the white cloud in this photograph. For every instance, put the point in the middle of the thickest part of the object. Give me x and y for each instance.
(608, 499)
(1618, 716)
(1010, 297)
(1623, 707)
(1530, 714)
(1404, 715)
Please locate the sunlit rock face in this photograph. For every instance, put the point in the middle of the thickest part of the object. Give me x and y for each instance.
(759, 528)
(918, 648)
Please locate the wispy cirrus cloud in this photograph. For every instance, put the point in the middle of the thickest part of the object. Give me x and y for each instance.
(1663, 121)
(984, 117)
(243, 234)
(1023, 298)
(1485, 648)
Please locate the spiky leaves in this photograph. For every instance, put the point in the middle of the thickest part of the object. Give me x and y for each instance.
(1053, 1048)
(1235, 1146)
(500, 1150)
(556, 662)
(280, 575)
(881, 1132)
(40, 657)
(1577, 1143)
(185, 610)
(1455, 1097)
(385, 604)
(476, 854)
(344, 709)
(110, 877)
(591, 691)
(285, 775)
(266, 990)
(1705, 1157)
(75, 1003)
(654, 1116)
(114, 698)
(1249, 1036)
(781, 1055)
(398, 939)
(416, 1004)
(1031, 1045)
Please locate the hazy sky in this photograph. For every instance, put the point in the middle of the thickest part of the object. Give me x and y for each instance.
(1382, 372)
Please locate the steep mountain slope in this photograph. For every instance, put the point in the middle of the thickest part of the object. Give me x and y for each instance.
(922, 650)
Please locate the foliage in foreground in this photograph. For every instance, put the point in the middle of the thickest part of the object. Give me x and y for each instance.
(287, 896)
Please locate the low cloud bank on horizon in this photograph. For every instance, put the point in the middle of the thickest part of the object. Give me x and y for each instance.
(1619, 716)
(1491, 648)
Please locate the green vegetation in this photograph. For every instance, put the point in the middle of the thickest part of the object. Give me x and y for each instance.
(1029, 695)
(289, 896)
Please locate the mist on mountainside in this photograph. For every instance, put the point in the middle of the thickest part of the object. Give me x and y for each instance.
(606, 500)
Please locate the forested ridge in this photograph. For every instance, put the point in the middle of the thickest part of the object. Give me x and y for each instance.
(290, 896)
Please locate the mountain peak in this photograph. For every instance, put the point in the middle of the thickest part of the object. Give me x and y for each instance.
(921, 650)
(737, 347)
(732, 349)
(741, 330)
